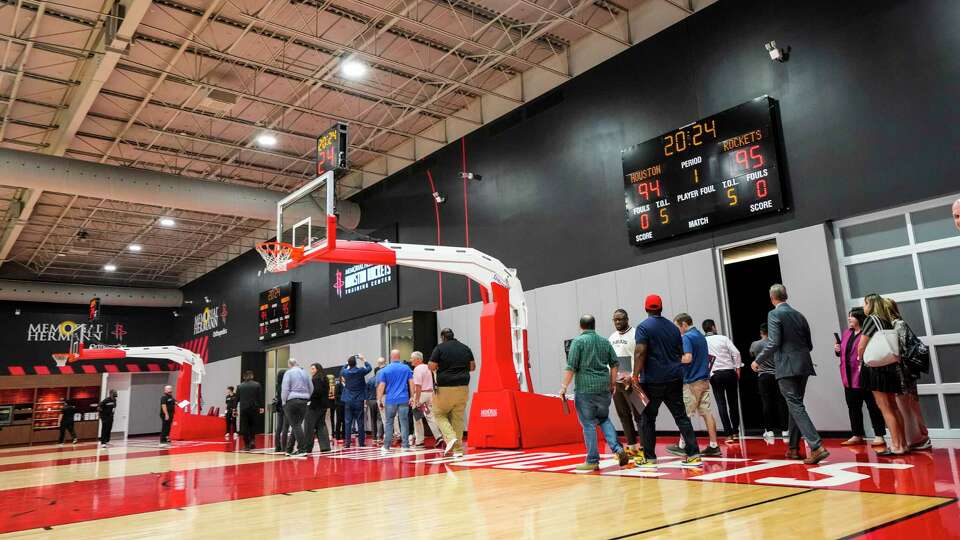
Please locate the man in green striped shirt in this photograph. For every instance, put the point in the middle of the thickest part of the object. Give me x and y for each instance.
(592, 366)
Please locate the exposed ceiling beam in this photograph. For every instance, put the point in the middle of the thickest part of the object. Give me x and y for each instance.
(110, 45)
(18, 213)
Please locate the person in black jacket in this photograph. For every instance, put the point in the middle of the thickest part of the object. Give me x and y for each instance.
(66, 422)
(231, 414)
(250, 405)
(106, 409)
(315, 424)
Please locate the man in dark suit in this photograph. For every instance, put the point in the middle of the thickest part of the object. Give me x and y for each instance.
(788, 347)
(250, 404)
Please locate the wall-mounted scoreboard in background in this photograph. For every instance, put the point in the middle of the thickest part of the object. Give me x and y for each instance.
(332, 149)
(716, 170)
(277, 317)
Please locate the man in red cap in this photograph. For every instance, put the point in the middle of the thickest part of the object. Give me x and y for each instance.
(658, 355)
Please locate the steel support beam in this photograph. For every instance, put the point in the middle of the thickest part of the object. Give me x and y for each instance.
(96, 71)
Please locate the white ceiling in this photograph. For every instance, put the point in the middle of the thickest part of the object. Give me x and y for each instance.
(77, 80)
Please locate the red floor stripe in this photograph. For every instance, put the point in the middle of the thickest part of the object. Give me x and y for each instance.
(30, 508)
(85, 459)
(47, 450)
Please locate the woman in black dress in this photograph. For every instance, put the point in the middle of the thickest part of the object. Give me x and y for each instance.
(885, 382)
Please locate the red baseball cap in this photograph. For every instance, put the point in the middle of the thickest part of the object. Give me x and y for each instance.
(653, 303)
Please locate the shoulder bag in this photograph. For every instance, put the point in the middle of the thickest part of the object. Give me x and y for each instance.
(916, 355)
(883, 349)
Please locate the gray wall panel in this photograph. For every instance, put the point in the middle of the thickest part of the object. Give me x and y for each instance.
(807, 274)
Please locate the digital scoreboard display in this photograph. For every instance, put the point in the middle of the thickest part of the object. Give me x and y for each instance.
(277, 316)
(714, 171)
(332, 149)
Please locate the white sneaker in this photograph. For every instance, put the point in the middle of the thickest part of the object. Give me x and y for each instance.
(449, 447)
(384, 451)
(226, 437)
(61, 445)
(458, 456)
(768, 435)
(785, 434)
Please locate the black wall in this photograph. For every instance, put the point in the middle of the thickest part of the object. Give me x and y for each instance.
(24, 340)
(868, 111)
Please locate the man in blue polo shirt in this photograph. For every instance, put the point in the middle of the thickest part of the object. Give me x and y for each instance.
(657, 354)
(394, 391)
(696, 382)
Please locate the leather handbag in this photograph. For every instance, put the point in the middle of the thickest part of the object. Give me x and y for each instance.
(883, 349)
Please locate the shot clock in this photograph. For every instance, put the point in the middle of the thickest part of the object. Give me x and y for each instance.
(332, 149)
(716, 170)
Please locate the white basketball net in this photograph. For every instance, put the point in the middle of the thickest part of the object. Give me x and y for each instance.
(276, 255)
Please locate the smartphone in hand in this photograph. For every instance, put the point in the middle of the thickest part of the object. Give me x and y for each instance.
(836, 336)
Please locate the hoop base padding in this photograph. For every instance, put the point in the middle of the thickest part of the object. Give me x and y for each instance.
(277, 255)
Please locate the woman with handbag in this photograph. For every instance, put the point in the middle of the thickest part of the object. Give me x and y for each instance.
(914, 427)
(854, 393)
(880, 371)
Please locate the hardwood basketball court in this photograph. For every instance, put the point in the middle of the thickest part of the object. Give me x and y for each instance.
(207, 490)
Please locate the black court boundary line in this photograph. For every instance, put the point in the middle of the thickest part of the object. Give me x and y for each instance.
(751, 505)
(901, 519)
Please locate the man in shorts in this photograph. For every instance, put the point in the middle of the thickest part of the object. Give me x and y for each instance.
(696, 383)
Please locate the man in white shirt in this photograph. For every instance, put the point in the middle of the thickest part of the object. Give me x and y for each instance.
(724, 377)
(624, 342)
(423, 396)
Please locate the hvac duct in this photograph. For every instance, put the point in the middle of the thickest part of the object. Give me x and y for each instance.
(63, 175)
(68, 293)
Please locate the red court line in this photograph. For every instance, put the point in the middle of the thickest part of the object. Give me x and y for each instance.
(73, 502)
(930, 524)
(86, 459)
(47, 450)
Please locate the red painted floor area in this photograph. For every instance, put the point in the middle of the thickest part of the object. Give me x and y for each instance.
(930, 473)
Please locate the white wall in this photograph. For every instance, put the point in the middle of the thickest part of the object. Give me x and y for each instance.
(331, 351)
(808, 275)
(687, 283)
(121, 383)
(144, 404)
(219, 375)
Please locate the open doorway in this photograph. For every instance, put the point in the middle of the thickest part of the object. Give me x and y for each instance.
(748, 272)
(276, 359)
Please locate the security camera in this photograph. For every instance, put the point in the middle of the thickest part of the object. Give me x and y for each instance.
(777, 54)
(470, 176)
(439, 198)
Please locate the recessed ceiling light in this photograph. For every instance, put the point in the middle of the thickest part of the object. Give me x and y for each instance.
(167, 222)
(135, 247)
(266, 139)
(110, 267)
(353, 69)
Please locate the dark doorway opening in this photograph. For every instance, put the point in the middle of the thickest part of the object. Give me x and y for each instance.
(749, 271)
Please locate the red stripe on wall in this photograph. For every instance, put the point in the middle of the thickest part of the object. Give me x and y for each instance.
(17, 370)
(153, 367)
(89, 369)
(41, 370)
(111, 368)
(133, 368)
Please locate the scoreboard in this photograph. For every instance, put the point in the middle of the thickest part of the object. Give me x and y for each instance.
(716, 170)
(277, 316)
(332, 149)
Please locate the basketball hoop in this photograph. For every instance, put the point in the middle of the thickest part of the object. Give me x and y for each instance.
(277, 255)
(61, 359)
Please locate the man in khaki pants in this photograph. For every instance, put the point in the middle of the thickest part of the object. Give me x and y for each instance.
(452, 363)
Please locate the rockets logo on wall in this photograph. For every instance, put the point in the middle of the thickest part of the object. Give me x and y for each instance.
(338, 284)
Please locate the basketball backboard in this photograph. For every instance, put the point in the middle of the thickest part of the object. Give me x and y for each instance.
(302, 215)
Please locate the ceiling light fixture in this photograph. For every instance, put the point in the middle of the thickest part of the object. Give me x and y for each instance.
(110, 267)
(266, 139)
(136, 247)
(352, 69)
(167, 222)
